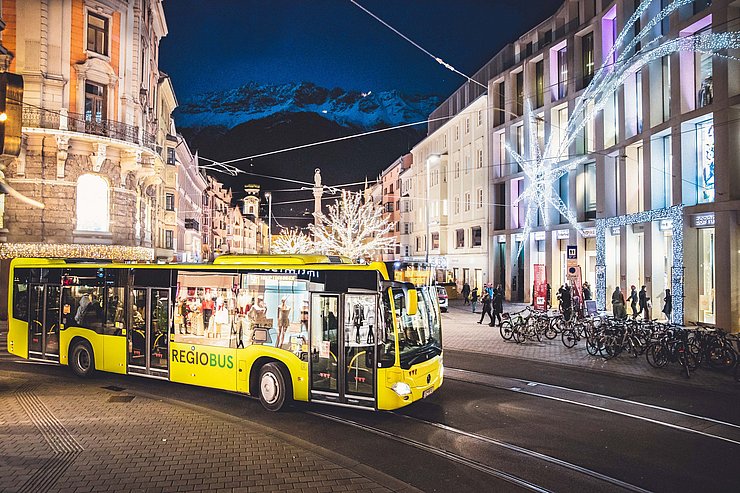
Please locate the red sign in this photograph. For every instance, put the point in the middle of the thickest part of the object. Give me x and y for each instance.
(540, 287)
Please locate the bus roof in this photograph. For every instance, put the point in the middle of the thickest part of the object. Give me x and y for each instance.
(321, 262)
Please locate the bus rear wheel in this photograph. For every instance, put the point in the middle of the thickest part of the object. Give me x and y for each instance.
(82, 359)
(274, 387)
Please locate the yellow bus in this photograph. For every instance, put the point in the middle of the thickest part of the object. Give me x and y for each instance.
(281, 327)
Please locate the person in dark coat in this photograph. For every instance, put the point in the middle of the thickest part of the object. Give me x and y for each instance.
(586, 291)
(632, 298)
(487, 304)
(498, 304)
(466, 293)
(642, 297)
(668, 306)
(474, 298)
(566, 302)
(548, 299)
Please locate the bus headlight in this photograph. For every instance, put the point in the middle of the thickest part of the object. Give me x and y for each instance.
(401, 388)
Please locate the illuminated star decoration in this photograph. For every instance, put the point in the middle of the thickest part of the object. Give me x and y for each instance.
(545, 167)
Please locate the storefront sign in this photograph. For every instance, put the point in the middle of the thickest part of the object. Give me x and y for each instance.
(539, 235)
(518, 237)
(588, 232)
(540, 287)
(502, 238)
(562, 234)
(572, 252)
(616, 230)
(702, 220)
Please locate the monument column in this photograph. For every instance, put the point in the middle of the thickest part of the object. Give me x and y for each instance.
(318, 191)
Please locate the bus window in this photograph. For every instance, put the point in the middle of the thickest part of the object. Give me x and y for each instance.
(419, 336)
(82, 306)
(20, 301)
(114, 311)
(386, 334)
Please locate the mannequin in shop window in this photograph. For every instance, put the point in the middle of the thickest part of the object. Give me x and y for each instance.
(706, 92)
(358, 317)
(283, 316)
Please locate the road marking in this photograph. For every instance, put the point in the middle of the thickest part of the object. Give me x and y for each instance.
(437, 451)
(691, 423)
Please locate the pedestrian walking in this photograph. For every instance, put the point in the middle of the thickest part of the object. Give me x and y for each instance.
(642, 299)
(466, 293)
(498, 304)
(618, 304)
(633, 300)
(486, 304)
(474, 298)
(566, 303)
(489, 290)
(668, 304)
(548, 299)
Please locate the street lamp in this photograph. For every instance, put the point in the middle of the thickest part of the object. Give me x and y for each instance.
(268, 196)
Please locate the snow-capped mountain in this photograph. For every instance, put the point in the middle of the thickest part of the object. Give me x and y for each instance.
(254, 101)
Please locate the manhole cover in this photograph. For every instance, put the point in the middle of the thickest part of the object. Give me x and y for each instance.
(121, 398)
(114, 388)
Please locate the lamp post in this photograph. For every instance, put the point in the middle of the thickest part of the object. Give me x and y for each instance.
(268, 196)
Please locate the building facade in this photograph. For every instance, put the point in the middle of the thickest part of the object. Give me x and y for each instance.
(451, 187)
(655, 199)
(90, 150)
(191, 186)
(391, 202)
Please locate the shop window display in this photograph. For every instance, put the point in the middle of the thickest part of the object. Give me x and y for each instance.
(237, 310)
(360, 322)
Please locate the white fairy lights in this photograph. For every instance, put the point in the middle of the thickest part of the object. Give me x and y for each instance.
(67, 250)
(293, 241)
(352, 229)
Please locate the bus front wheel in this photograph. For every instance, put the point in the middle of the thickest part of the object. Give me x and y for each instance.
(274, 387)
(82, 359)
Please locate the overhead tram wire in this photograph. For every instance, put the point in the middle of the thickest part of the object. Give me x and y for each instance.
(417, 45)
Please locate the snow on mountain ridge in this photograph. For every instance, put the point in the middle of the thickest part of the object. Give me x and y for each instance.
(253, 101)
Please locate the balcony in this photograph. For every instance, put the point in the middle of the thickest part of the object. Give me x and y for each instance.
(75, 122)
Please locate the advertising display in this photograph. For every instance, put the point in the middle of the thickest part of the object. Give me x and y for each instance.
(540, 287)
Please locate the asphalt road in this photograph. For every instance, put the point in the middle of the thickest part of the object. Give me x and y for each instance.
(480, 432)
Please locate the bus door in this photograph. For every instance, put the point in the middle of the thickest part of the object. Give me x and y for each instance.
(43, 322)
(148, 347)
(343, 349)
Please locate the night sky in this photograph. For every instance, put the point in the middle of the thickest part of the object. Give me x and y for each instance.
(220, 44)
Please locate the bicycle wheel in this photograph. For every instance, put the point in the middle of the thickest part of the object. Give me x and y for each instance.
(550, 332)
(683, 358)
(518, 334)
(569, 338)
(592, 344)
(656, 355)
(721, 357)
(506, 330)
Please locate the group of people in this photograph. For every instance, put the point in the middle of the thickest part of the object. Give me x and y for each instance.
(639, 302)
(492, 301)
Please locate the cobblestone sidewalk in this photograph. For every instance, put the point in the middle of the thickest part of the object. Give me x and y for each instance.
(69, 437)
(462, 332)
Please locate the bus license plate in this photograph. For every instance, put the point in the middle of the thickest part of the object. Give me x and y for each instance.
(427, 392)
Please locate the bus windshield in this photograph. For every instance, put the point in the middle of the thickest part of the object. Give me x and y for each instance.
(419, 335)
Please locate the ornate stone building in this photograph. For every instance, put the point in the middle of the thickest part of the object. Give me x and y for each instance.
(96, 129)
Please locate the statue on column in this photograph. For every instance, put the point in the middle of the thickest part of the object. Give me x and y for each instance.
(317, 178)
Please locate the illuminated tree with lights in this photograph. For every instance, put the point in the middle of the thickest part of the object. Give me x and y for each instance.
(293, 241)
(352, 228)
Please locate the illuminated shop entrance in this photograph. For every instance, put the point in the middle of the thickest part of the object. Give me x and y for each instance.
(675, 271)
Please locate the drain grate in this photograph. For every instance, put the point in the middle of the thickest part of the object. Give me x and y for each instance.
(121, 398)
(114, 388)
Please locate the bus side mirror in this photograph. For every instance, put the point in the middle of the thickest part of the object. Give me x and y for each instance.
(412, 301)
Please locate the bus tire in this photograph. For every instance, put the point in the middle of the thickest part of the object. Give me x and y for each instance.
(274, 386)
(82, 359)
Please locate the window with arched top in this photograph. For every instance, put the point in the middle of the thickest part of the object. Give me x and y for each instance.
(92, 203)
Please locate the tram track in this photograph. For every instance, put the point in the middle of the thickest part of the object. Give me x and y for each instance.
(511, 463)
(662, 416)
(479, 466)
